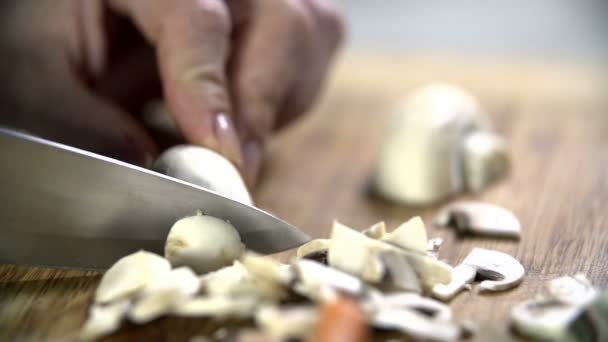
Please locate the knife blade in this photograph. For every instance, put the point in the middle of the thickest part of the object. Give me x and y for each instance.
(65, 207)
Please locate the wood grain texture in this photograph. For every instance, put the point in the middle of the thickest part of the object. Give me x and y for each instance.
(554, 117)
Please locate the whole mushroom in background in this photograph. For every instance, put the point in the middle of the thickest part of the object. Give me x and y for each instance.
(437, 144)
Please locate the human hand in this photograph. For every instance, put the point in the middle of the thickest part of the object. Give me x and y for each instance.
(79, 72)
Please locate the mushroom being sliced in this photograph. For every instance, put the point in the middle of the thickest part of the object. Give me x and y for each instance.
(502, 270)
(131, 274)
(481, 219)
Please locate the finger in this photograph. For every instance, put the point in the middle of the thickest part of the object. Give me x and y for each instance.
(262, 72)
(323, 39)
(193, 41)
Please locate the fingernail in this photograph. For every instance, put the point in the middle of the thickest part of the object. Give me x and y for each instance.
(227, 140)
(252, 161)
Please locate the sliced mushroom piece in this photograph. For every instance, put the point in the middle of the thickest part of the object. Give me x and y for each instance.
(462, 275)
(575, 290)
(415, 324)
(313, 249)
(267, 268)
(287, 323)
(181, 279)
(481, 219)
(236, 280)
(413, 301)
(131, 274)
(357, 254)
(409, 235)
(314, 278)
(400, 275)
(353, 252)
(376, 231)
(544, 319)
(160, 297)
(503, 270)
(104, 320)
(217, 307)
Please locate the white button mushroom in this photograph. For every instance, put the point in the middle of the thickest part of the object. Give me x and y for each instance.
(204, 243)
(205, 168)
(430, 144)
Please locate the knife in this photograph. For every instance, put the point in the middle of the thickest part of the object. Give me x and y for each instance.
(65, 207)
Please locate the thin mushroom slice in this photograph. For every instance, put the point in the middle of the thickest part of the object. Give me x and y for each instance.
(131, 274)
(503, 270)
(575, 290)
(315, 279)
(217, 307)
(544, 319)
(287, 323)
(432, 308)
(480, 218)
(104, 320)
(462, 275)
(415, 324)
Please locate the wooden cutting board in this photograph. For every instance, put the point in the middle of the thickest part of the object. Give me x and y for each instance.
(554, 116)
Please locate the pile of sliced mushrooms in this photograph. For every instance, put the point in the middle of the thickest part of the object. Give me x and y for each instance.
(392, 275)
(394, 278)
